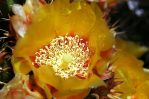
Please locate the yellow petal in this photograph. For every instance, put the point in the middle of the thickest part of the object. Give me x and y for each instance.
(46, 75)
(129, 70)
(21, 65)
(142, 91)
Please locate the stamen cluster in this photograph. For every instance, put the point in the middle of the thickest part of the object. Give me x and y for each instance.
(67, 55)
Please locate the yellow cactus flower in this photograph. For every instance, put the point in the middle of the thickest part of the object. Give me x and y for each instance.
(62, 45)
(71, 52)
(129, 69)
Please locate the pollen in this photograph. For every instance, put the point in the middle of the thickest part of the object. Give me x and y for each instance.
(68, 56)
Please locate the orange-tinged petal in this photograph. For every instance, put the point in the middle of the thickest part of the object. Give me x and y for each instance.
(92, 81)
(131, 47)
(78, 18)
(44, 25)
(45, 74)
(129, 70)
(100, 31)
(142, 91)
(126, 87)
(101, 66)
(74, 95)
(36, 36)
(129, 64)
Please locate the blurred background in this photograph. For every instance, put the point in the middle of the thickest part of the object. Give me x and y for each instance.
(130, 18)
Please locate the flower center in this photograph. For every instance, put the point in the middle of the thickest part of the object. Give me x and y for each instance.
(67, 55)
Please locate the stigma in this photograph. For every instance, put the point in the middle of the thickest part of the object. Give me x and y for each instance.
(68, 56)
